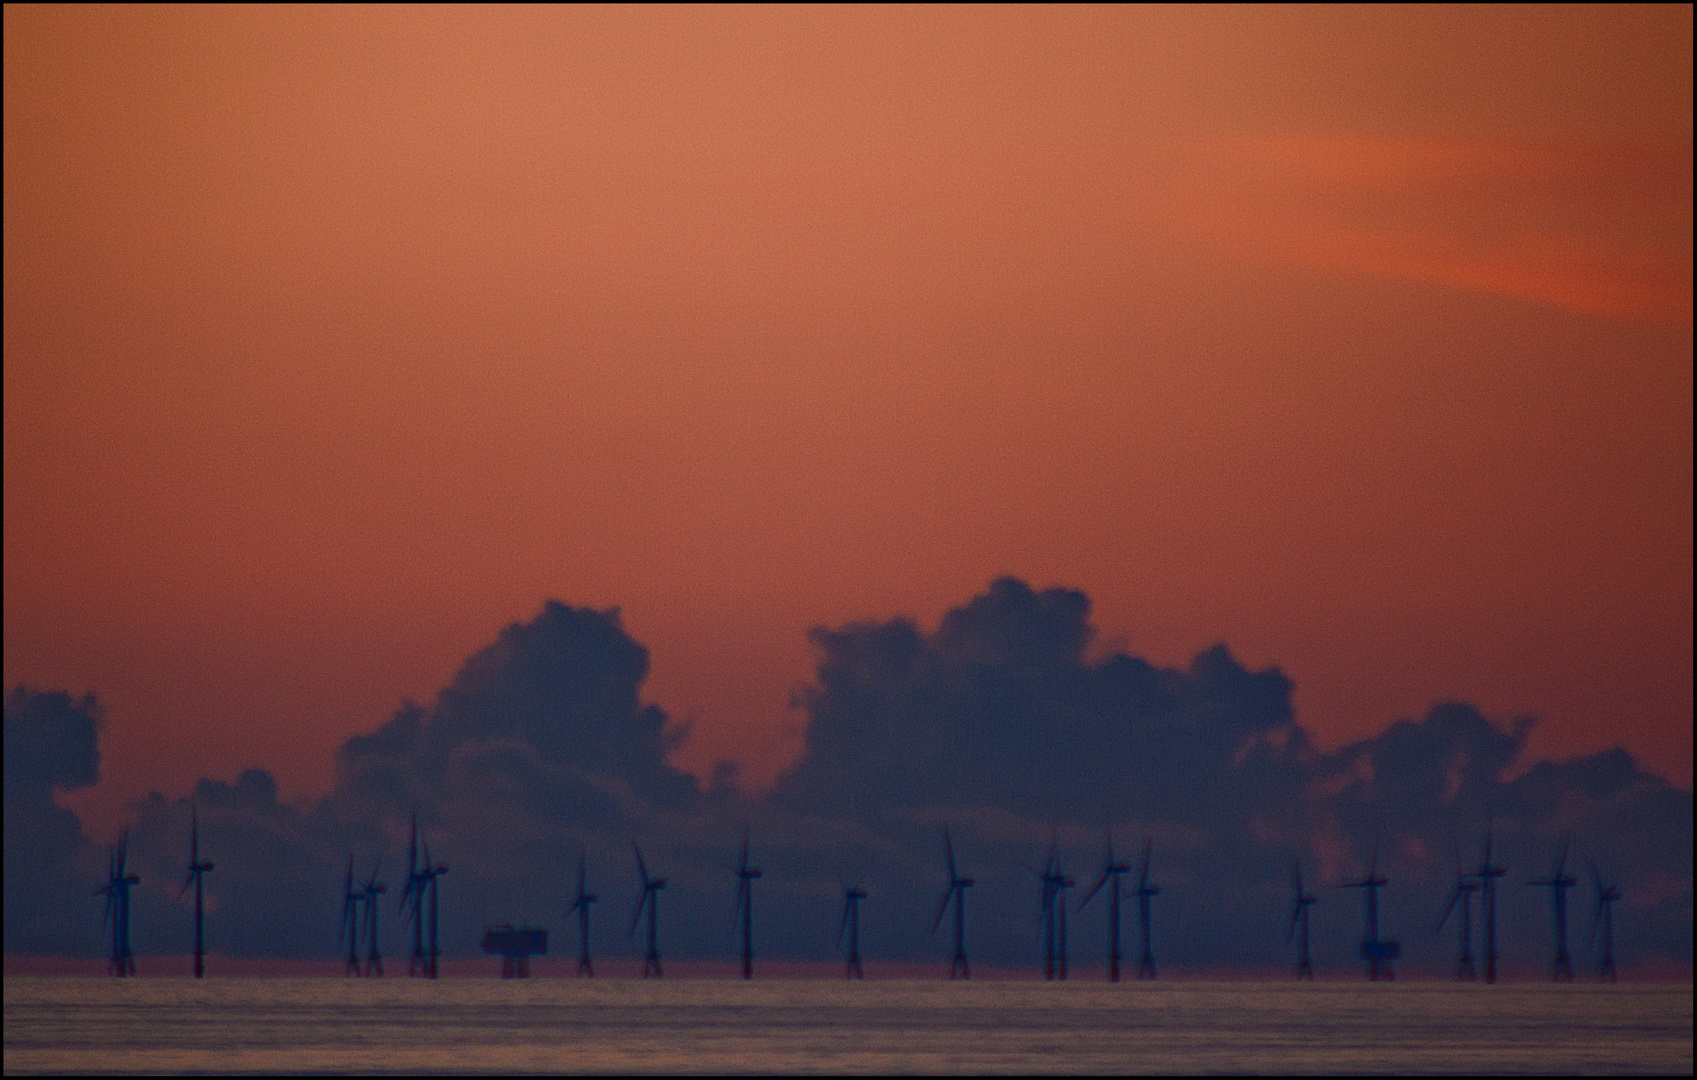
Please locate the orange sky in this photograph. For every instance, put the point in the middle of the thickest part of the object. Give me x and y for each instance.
(335, 340)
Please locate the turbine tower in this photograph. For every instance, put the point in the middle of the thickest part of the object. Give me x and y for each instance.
(1111, 871)
(1146, 960)
(1559, 881)
(351, 900)
(745, 906)
(585, 966)
(1462, 897)
(1488, 873)
(1300, 903)
(850, 924)
(1604, 920)
(650, 899)
(122, 962)
(371, 891)
(955, 893)
(1377, 952)
(196, 869)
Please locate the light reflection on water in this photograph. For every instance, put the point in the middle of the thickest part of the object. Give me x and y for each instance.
(611, 1025)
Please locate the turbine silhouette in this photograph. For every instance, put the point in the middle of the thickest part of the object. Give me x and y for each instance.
(850, 925)
(650, 899)
(1146, 960)
(1052, 912)
(351, 901)
(955, 893)
(371, 891)
(1559, 881)
(585, 966)
(1377, 952)
(196, 869)
(1461, 897)
(122, 962)
(1110, 875)
(1603, 919)
(745, 906)
(1300, 903)
(413, 893)
(1488, 873)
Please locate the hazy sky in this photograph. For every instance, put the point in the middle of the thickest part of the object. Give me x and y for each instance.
(337, 339)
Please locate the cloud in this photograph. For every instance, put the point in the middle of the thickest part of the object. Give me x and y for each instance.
(1003, 723)
(51, 745)
(1595, 227)
(999, 724)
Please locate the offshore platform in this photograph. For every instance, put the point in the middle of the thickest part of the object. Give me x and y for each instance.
(516, 945)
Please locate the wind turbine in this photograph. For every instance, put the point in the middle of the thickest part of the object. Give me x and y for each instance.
(745, 906)
(414, 894)
(850, 924)
(1146, 960)
(122, 962)
(1111, 869)
(196, 869)
(956, 893)
(1488, 873)
(372, 890)
(1060, 883)
(1053, 912)
(1300, 903)
(350, 920)
(1046, 909)
(1376, 952)
(1604, 920)
(430, 873)
(585, 966)
(1561, 968)
(650, 899)
(1462, 897)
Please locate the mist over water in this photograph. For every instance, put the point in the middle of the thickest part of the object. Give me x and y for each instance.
(614, 1025)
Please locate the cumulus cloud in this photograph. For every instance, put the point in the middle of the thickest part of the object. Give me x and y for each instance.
(1001, 723)
(51, 745)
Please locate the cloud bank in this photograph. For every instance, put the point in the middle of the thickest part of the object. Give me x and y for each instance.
(1003, 723)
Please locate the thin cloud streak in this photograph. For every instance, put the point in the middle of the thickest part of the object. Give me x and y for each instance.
(1603, 229)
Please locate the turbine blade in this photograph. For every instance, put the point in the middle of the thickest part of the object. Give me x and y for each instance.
(948, 895)
(1093, 889)
(1143, 867)
(1561, 857)
(186, 883)
(842, 924)
(1295, 913)
(949, 853)
(582, 858)
(641, 867)
(636, 913)
(1449, 907)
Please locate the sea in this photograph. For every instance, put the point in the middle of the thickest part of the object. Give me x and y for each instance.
(177, 1025)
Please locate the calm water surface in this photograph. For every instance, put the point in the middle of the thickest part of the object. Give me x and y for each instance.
(608, 1025)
